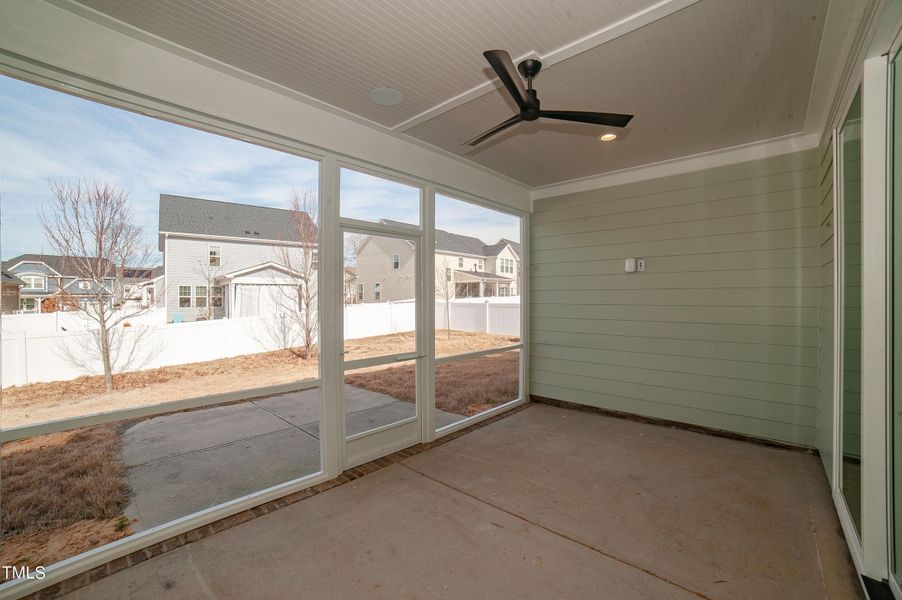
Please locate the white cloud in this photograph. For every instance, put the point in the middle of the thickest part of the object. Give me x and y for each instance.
(47, 135)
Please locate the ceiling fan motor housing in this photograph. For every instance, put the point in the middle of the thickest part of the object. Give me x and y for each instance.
(530, 67)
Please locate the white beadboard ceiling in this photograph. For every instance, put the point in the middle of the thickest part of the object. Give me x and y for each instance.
(698, 74)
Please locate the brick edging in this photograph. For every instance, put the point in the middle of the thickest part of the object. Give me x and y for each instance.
(81, 580)
(731, 435)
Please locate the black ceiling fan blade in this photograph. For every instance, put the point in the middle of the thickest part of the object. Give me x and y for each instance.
(597, 118)
(503, 66)
(496, 129)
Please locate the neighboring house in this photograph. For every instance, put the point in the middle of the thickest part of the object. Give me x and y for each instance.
(10, 292)
(465, 267)
(148, 291)
(350, 286)
(222, 259)
(46, 275)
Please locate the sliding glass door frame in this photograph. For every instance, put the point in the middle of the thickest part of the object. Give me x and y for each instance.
(839, 256)
(894, 354)
(871, 550)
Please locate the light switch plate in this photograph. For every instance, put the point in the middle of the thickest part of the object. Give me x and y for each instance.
(629, 265)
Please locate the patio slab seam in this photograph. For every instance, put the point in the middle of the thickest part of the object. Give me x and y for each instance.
(215, 447)
(557, 533)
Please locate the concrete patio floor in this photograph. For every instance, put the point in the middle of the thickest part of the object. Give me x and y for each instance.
(184, 462)
(547, 503)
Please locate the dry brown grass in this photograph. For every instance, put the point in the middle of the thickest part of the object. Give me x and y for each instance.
(465, 387)
(63, 493)
(48, 546)
(39, 402)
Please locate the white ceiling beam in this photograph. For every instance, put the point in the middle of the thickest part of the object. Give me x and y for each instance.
(622, 27)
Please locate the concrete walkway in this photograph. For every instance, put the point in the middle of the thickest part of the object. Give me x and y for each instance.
(188, 461)
(547, 503)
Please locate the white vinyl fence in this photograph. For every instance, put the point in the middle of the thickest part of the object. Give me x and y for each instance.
(58, 347)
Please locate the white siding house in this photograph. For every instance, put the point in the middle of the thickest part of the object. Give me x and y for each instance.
(226, 260)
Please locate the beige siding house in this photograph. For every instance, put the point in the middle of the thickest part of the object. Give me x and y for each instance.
(386, 270)
(465, 267)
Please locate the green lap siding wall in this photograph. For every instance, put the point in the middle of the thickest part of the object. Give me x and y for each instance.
(721, 330)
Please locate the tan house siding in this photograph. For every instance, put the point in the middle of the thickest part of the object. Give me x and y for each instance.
(374, 265)
(493, 265)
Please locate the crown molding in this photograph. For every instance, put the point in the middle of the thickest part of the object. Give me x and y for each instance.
(684, 164)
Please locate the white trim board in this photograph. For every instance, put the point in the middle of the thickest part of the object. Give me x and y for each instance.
(604, 35)
(683, 164)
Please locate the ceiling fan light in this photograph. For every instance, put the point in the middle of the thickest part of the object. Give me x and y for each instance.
(608, 137)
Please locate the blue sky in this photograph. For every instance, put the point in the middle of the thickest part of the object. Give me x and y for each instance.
(47, 135)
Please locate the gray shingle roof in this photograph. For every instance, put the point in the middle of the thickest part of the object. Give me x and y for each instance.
(10, 279)
(61, 264)
(514, 245)
(458, 244)
(463, 244)
(182, 214)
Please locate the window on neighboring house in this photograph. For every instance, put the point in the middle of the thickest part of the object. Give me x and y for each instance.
(480, 266)
(33, 282)
(215, 255)
(460, 262)
(448, 274)
(216, 296)
(314, 259)
(395, 262)
(377, 291)
(200, 296)
(360, 291)
(504, 291)
(28, 304)
(84, 285)
(184, 296)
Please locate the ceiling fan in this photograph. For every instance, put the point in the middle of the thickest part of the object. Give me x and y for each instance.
(528, 101)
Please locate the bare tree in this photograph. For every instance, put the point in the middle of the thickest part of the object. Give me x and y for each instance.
(352, 244)
(209, 270)
(444, 287)
(92, 226)
(300, 259)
